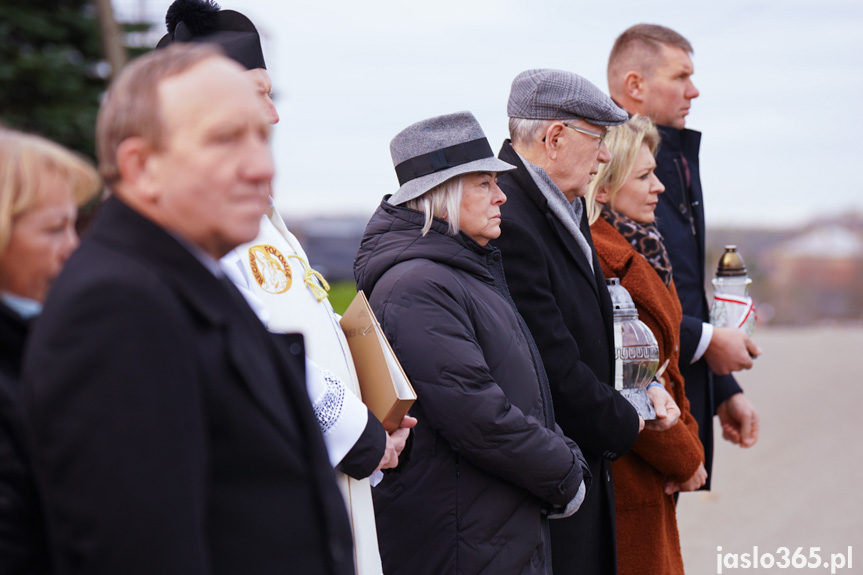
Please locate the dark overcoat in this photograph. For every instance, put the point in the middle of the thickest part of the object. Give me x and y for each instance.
(568, 310)
(680, 219)
(172, 433)
(487, 458)
(23, 546)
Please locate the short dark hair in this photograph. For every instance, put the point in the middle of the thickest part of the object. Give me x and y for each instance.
(644, 41)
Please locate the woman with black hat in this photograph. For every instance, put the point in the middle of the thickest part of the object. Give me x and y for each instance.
(488, 462)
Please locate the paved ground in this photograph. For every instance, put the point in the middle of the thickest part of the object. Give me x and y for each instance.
(802, 484)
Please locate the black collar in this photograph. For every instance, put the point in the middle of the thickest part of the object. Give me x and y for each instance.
(13, 333)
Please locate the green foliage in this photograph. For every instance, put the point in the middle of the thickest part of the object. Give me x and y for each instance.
(51, 70)
(130, 31)
(342, 294)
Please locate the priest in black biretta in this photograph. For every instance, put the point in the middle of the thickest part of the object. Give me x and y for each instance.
(361, 446)
(205, 21)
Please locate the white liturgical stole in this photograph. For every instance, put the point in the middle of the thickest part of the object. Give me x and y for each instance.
(280, 276)
(275, 276)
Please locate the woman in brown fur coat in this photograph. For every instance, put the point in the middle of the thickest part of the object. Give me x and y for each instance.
(621, 205)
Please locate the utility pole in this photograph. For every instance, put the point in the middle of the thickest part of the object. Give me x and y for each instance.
(115, 51)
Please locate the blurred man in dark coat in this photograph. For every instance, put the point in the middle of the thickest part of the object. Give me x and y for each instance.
(649, 73)
(172, 433)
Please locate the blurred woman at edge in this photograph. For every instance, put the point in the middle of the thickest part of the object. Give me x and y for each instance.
(41, 187)
(621, 203)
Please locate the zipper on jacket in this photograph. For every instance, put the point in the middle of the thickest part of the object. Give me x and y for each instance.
(457, 512)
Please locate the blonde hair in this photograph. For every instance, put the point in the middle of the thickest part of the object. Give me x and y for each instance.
(131, 107)
(24, 161)
(624, 143)
(442, 201)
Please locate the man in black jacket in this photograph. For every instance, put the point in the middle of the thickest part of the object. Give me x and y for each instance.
(649, 73)
(557, 123)
(171, 432)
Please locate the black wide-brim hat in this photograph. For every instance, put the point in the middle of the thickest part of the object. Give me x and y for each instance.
(197, 21)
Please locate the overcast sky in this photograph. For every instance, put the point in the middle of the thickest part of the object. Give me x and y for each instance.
(778, 80)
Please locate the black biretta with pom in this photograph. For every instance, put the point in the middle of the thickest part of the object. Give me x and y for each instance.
(204, 21)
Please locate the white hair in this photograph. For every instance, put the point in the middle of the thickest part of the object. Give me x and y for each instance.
(442, 201)
(523, 131)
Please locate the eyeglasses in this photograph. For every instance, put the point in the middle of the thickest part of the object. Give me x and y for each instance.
(599, 136)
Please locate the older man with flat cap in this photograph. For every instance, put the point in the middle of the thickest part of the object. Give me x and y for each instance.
(557, 125)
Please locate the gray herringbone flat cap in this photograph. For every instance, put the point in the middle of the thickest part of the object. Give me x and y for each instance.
(430, 152)
(560, 95)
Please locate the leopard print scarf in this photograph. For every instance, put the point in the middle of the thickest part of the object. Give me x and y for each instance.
(645, 238)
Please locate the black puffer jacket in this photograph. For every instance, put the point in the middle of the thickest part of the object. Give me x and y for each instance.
(487, 457)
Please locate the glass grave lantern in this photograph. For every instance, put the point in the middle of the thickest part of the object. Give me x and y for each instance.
(636, 353)
(732, 306)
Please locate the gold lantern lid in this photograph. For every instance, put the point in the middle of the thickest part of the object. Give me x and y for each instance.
(731, 263)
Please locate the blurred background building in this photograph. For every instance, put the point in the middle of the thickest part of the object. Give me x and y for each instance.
(811, 274)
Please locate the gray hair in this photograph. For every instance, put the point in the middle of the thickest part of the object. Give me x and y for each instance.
(523, 131)
(442, 201)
